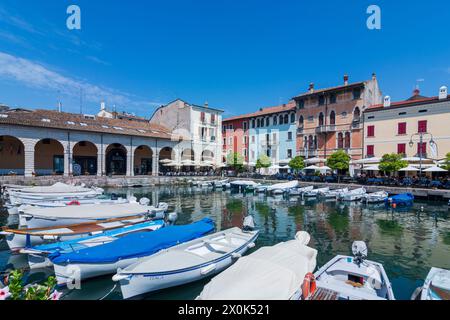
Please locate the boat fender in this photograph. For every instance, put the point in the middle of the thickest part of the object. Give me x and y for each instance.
(309, 286)
(303, 237)
(251, 245)
(236, 255)
(144, 201)
(119, 277)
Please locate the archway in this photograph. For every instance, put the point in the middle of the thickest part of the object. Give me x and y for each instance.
(187, 154)
(321, 119)
(340, 143)
(143, 161)
(357, 115)
(187, 160)
(84, 159)
(48, 157)
(207, 155)
(116, 159)
(12, 156)
(166, 153)
(332, 118)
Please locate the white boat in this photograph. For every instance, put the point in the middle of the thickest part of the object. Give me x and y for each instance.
(18, 239)
(270, 273)
(353, 195)
(436, 286)
(300, 191)
(219, 183)
(280, 188)
(354, 278)
(375, 197)
(330, 194)
(315, 192)
(57, 192)
(242, 185)
(261, 189)
(185, 263)
(45, 217)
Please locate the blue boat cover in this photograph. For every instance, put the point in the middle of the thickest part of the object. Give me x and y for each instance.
(404, 197)
(137, 245)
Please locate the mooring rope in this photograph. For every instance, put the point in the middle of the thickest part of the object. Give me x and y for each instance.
(113, 288)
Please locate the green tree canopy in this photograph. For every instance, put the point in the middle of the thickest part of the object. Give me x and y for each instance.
(235, 160)
(263, 162)
(297, 163)
(392, 163)
(447, 161)
(339, 161)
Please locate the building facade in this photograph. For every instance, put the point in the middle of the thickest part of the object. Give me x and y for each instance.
(235, 137)
(197, 129)
(397, 127)
(331, 119)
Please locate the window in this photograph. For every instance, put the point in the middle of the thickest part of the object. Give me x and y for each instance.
(289, 135)
(253, 154)
(253, 123)
(275, 118)
(267, 138)
(402, 128)
(332, 98)
(321, 118)
(245, 124)
(321, 100)
(401, 148)
(301, 104)
(301, 121)
(370, 151)
(356, 93)
(253, 139)
(224, 141)
(422, 126)
(258, 123)
(423, 111)
(347, 140)
(213, 118)
(281, 119)
(422, 148)
(371, 117)
(340, 140)
(268, 152)
(286, 119)
(202, 117)
(289, 153)
(245, 152)
(402, 113)
(230, 141)
(356, 114)
(223, 129)
(292, 117)
(262, 122)
(267, 121)
(332, 118)
(371, 131)
(58, 164)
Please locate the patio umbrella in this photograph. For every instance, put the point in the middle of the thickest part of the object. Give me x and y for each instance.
(416, 159)
(409, 168)
(166, 161)
(371, 168)
(325, 168)
(367, 160)
(275, 167)
(312, 168)
(315, 160)
(171, 164)
(435, 169)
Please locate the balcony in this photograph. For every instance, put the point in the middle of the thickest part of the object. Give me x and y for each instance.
(300, 130)
(326, 129)
(309, 153)
(357, 124)
(269, 143)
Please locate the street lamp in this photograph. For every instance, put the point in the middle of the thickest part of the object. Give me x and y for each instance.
(421, 136)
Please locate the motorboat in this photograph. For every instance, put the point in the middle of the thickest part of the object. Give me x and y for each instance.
(45, 217)
(354, 278)
(187, 262)
(20, 238)
(270, 273)
(261, 188)
(404, 199)
(57, 192)
(375, 197)
(280, 188)
(299, 191)
(242, 185)
(353, 195)
(315, 192)
(219, 184)
(333, 194)
(436, 286)
(107, 258)
(40, 256)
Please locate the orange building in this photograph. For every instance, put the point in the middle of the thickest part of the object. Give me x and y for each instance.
(331, 119)
(235, 136)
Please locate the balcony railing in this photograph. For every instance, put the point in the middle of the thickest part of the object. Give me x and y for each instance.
(356, 124)
(309, 153)
(300, 130)
(325, 129)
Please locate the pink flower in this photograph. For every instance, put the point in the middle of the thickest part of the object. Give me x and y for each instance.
(4, 293)
(55, 295)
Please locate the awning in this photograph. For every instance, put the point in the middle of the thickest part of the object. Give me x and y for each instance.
(435, 169)
(367, 160)
(371, 168)
(409, 168)
(312, 168)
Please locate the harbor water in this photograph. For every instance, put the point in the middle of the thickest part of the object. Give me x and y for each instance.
(408, 242)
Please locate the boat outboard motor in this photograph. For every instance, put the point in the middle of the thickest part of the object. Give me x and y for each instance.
(144, 201)
(249, 224)
(359, 249)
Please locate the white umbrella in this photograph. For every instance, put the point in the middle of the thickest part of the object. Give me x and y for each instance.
(409, 168)
(325, 168)
(284, 161)
(166, 161)
(275, 167)
(435, 169)
(371, 168)
(315, 160)
(312, 168)
(416, 159)
(367, 160)
(171, 164)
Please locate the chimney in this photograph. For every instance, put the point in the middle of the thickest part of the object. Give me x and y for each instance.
(416, 92)
(345, 79)
(102, 106)
(443, 93)
(374, 76)
(311, 87)
(387, 101)
(206, 104)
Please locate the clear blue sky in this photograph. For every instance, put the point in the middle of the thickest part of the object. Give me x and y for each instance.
(238, 55)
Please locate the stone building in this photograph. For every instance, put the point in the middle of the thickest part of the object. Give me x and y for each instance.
(46, 142)
(331, 119)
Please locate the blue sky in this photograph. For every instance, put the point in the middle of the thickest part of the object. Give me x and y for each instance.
(237, 55)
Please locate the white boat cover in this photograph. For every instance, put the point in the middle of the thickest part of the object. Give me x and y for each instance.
(89, 211)
(283, 186)
(270, 273)
(58, 187)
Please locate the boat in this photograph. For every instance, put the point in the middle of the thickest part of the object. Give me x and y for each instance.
(300, 191)
(404, 199)
(187, 262)
(219, 183)
(315, 192)
(353, 195)
(354, 278)
(270, 273)
(107, 258)
(45, 217)
(280, 188)
(20, 238)
(57, 192)
(330, 194)
(375, 197)
(40, 256)
(261, 188)
(436, 286)
(241, 185)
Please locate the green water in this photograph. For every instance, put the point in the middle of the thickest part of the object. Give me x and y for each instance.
(408, 242)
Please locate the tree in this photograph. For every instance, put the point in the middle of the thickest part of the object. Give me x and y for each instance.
(447, 161)
(297, 163)
(392, 163)
(263, 162)
(339, 161)
(235, 160)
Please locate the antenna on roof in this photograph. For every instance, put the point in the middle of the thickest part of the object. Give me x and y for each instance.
(417, 83)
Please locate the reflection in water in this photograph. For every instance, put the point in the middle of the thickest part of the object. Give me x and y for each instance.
(408, 242)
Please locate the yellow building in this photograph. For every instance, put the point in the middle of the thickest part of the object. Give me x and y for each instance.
(399, 127)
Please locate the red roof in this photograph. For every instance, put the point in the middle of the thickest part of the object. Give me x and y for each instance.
(265, 111)
(406, 103)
